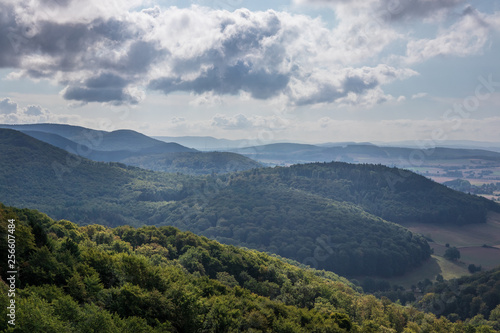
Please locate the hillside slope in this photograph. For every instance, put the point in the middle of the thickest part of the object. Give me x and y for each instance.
(316, 231)
(102, 141)
(466, 297)
(95, 279)
(310, 213)
(135, 149)
(198, 163)
(391, 193)
(36, 175)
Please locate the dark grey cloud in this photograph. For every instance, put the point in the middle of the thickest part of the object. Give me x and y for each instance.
(105, 80)
(115, 96)
(228, 80)
(76, 47)
(394, 10)
(329, 93)
(414, 9)
(111, 87)
(139, 57)
(113, 30)
(227, 73)
(10, 41)
(103, 88)
(66, 43)
(250, 38)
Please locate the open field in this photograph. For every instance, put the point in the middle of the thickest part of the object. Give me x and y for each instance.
(477, 172)
(429, 270)
(470, 235)
(450, 269)
(495, 197)
(488, 257)
(469, 239)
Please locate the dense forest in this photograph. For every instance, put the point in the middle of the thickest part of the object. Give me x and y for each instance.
(394, 194)
(324, 215)
(316, 231)
(466, 297)
(240, 209)
(190, 163)
(96, 279)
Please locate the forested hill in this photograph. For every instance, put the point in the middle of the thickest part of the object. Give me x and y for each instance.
(311, 213)
(37, 175)
(193, 163)
(95, 279)
(394, 194)
(317, 231)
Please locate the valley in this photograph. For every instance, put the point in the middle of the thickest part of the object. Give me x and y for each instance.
(366, 222)
(479, 245)
(238, 166)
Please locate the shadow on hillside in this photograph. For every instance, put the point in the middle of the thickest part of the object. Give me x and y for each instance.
(428, 270)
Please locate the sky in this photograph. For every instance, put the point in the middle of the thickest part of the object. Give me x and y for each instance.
(288, 70)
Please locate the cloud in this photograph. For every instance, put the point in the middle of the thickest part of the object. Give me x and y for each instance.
(389, 10)
(419, 95)
(34, 110)
(348, 86)
(110, 52)
(111, 57)
(465, 37)
(242, 122)
(7, 106)
(237, 122)
(12, 113)
(207, 99)
(228, 80)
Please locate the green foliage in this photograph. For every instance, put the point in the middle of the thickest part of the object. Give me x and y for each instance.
(466, 297)
(473, 268)
(315, 214)
(94, 288)
(452, 253)
(313, 230)
(199, 163)
(391, 193)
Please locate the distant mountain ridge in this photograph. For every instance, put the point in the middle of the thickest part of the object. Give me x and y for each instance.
(127, 146)
(293, 153)
(136, 149)
(206, 143)
(102, 141)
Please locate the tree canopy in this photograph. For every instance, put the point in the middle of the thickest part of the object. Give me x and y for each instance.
(97, 279)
